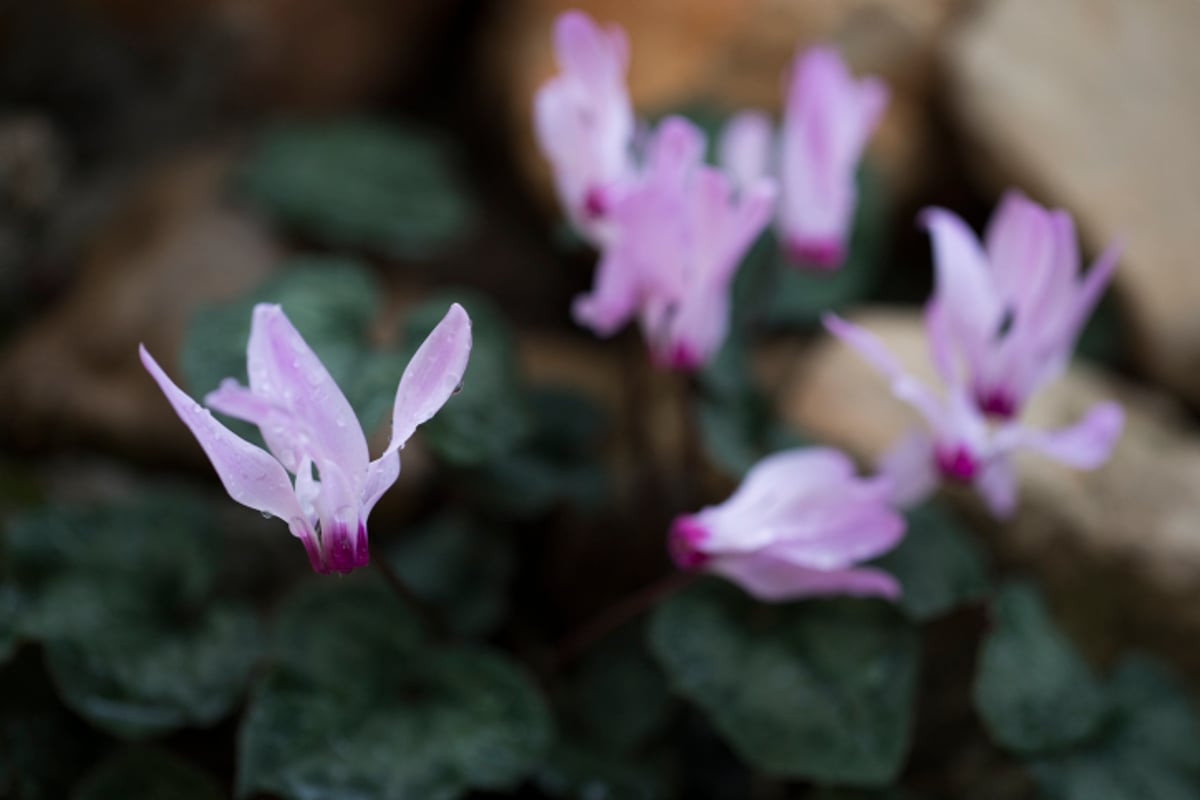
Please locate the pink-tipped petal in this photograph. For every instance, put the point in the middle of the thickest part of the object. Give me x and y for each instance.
(997, 485)
(250, 474)
(432, 376)
(1093, 285)
(382, 473)
(744, 147)
(904, 386)
(594, 55)
(1085, 445)
(964, 285)
(285, 372)
(911, 468)
(775, 581)
(849, 532)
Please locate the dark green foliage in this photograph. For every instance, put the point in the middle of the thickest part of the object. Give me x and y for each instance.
(556, 463)
(939, 565)
(122, 597)
(461, 566)
(358, 705)
(147, 773)
(10, 602)
(360, 183)
(1149, 750)
(43, 747)
(573, 772)
(821, 690)
(616, 699)
(1034, 690)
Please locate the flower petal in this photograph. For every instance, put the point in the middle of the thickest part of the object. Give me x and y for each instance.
(852, 533)
(903, 385)
(285, 372)
(250, 474)
(744, 147)
(997, 485)
(1085, 445)
(772, 580)
(380, 476)
(910, 467)
(432, 376)
(966, 310)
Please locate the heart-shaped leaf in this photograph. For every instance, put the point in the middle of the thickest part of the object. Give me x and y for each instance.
(359, 706)
(938, 565)
(821, 690)
(122, 597)
(147, 773)
(360, 183)
(1033, 689)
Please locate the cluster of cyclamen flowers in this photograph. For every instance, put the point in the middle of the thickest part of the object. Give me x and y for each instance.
(672, 231)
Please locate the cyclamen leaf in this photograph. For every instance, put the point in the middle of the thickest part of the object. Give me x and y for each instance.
(121, 598)
(1033, 689)
(360, 183)
(359, 706)
(821, 690)
(461, 566)
(147, 773)
(1150, 752)
(937, 563)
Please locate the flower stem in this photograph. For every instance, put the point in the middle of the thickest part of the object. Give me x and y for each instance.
(615, 616)
(427, 613)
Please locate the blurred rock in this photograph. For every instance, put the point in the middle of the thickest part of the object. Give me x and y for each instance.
(73, 376)
(1120, 545)
(320, 56)
(32, 175)
(1092, 104)
(733, 54)
(296, 55)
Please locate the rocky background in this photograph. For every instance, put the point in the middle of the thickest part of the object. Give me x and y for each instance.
(123, 124)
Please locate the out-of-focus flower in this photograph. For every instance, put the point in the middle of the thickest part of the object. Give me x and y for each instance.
(312, 432)
(797, 526)
(745, 147)
(678, 235)
(962, 444)
(1006, 313)
(583, 120)
(828, 119)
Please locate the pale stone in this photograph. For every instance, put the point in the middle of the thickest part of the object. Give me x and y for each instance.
(73, 377)
(1120, 544)
(1093, 105)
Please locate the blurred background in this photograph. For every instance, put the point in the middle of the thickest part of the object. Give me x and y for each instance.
(162, 158)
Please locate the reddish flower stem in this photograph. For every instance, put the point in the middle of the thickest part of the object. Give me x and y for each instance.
(428, 614)
(616, 616)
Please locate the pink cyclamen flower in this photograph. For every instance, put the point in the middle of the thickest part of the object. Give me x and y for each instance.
(1006, 313)
(583, 120)
(962, 444)
(678, 236)
(829, 117)
(799, 524)
(308, 425)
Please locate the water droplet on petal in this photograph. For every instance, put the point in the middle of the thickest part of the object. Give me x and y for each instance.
(267, 515)
(458, 387)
